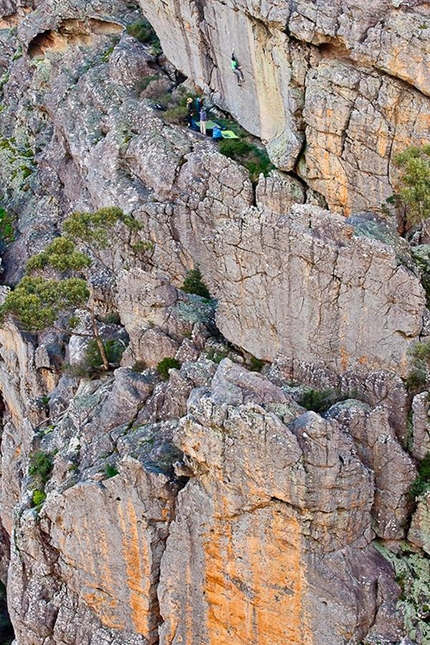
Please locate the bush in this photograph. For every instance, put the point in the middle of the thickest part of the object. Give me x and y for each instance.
(216, 355)
(139, 366)
(7, 228)
(256, 365)
(176, 115)
(92, 365)
(253, 157)
(317, 400)
(114, 351)
(419, 362)
(38, 498)
(422, 481)
(40, 466)
(112, 318)
(165, 365)
(193, 283)
(110, 471)
(142, 30)
(414, 184)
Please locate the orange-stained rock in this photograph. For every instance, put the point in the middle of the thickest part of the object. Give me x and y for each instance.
(109, 537)
(273, 518)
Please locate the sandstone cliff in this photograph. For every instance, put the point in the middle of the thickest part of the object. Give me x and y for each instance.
(214, 507)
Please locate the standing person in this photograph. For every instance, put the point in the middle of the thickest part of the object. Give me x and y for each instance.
(237, 69)
(198, 104)
(203, 119)
(189, 111)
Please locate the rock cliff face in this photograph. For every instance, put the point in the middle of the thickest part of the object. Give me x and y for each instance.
(221, 505)
(336, 88)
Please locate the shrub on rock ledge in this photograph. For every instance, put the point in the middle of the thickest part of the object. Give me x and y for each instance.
(165, 365)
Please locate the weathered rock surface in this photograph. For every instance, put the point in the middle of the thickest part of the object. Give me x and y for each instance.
(235, 516)
(394, 470)
(267, 494)
(350, 81)
(320, 295)
(419, 531)
(420, 426)
(113, 575)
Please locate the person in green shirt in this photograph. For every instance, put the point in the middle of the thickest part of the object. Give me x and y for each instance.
(237, 69)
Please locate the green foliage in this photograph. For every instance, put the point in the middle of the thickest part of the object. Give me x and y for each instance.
(94, 230)
(143, 84)
(165, 365)
(114, 351)
(321, 400)
(142, 247)
(256, 365)
(92, 365)
(143, 31)
(112, 318)
(414, 184)
(7, 228)
(176, 114)
(253, 157)
(61, 254)
(419, 364)
(106, 54)
(110, 471)
(139, 366)
(422, 482)
(40, 466)
(216, 355)
(38, 497)
(37, 302)
(315, 400)
(193, 283)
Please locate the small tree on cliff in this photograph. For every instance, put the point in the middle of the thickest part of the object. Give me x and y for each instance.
(414, 184)
(56, 282)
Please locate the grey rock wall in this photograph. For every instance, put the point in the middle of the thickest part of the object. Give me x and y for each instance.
(319, 83)
(235, 516)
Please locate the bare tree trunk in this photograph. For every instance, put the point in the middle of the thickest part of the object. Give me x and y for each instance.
(100, 344)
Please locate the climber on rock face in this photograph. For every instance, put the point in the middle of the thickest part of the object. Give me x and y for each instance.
(237, 69)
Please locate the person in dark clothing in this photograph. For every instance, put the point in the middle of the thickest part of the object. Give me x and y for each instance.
(203, 119)
(237, 69)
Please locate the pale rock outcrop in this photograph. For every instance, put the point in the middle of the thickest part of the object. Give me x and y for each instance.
(271, 539)
(356, 121)
(21, 389)
(279, 192)
(115, 576)
(304, 302)
(261, 509)
(156, 315)
(349, 80)
(420, 426)
(393, 469)
(419, 530)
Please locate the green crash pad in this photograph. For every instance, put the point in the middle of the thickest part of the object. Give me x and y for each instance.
(209, 124)
(229, 134)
